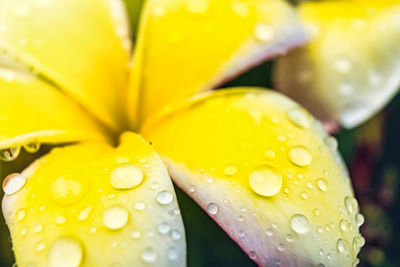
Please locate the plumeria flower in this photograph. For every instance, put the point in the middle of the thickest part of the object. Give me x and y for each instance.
(350, 69)
(258, 163)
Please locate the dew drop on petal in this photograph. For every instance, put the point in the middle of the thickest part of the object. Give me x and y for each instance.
(136, 234)
(140, 205)
(9, 154)
(300, 156)
(299, 118)
(163, 228)
(115, 217)
(340, 245)
(65, 252)
(126, 177)
(84, 213)
(13, 183)
(32, 147)
(230, 170)
(21, 214)
(149, 255)
(322, 184)
(164, 197)
(360, 219)
(300, 224)
(192, 189)
(173, 254)
(263, 32)
(212, 208)
(265, 181)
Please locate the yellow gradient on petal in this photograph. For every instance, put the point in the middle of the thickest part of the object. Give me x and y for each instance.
(188, 46)
(82, 46)
(33, 112)
(74, 216)
(233, 146)
(349, 71)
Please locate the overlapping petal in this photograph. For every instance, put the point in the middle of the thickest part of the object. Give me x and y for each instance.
(190, 46)
(266, 172)
(94, 205)
(82, 46)
(33, 112)
(350, 70)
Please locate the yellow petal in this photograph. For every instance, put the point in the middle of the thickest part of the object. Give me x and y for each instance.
(33, 112)
(350, 70)
(67, 208)
(82, 46)
(190, 46)
(266, 172)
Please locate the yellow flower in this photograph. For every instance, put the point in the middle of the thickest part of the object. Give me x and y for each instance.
(258, 163)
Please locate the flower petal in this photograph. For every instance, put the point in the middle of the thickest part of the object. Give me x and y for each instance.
(266, 172)
(82, 46)
(189, 46)
(33, 112)
(93, 205)
(350, 70)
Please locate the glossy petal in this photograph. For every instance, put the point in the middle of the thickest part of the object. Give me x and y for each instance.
(33, 112)
(266, 172)
(186, 47)
(351, 68)
(82, 46)
(94, 205)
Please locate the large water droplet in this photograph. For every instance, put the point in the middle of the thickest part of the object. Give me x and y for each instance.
(300, 224)
(164, 197)
(263, 32)
(13, 183)
(300, 156)
(322, 184)
(126, 177)
(65, 252)
(212, 208)
(60, 220)
(9, 154)
(149, 255)
(115, 218)
(299, 118)
(265, 181)
(343, 225)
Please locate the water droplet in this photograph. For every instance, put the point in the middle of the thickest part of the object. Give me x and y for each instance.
(115, 218)
(154, 186)
(212, 208)
(140, 205)
(359, 219)
(263, 32)
(23, 231)
(270, 154)
(281, 247)
(32, 147)
(322, 184)
(253, 255)
(164, 197)
(343, 225)
(40, 246)
(173, 254)
(210, 180)
(60, 220)
(230, 170)
(163, 228)
(299, 118)
(348, 204)
(84, 214)
(136, 234)
(21, 214)
(13, 183)
(331, 142)
(149, 255)
(269, 232)
(176, 234)
(65, 252)
(66, 190)
(300, 156)
(309, 185)
(320, 229)
(9, 154)
(126, 177)
(340, 245)
(192, 189)
(317, 212)
(304, 195)
(281, 138)
(300, 224)
(38, 228)
(289, 238)
(265, 181)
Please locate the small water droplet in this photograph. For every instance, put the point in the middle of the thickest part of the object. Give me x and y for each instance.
(65, 252)
(322, 184)
(126, 177)
(281, 247)
(32, 147)
(317, 212)
(263, 32)
(300, 156)
(154, 186)
(136, 234)
(348, 204)
(343, 225)
(115, 217)
(253, 255)
(192, 189)
(304, 195)
(140, 205)
(173, 254)
(23, 231)
(340, 246)
(60, 220)
(210, 180)
(149, 255)
(289, 238)
(40, 246)
(309, 185)
(163, 228)
(359, 219)
(9, 154)
(212, 208)
(164, 197)
(281, 138)
(38, 228)
(299, 118)
(270, 154)
(331, 142)
(269, 232)
(230, 170)
(176, 234)
(300, 224)
(84, 213)
(265, 181)
(21, 214)
(13, 183)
